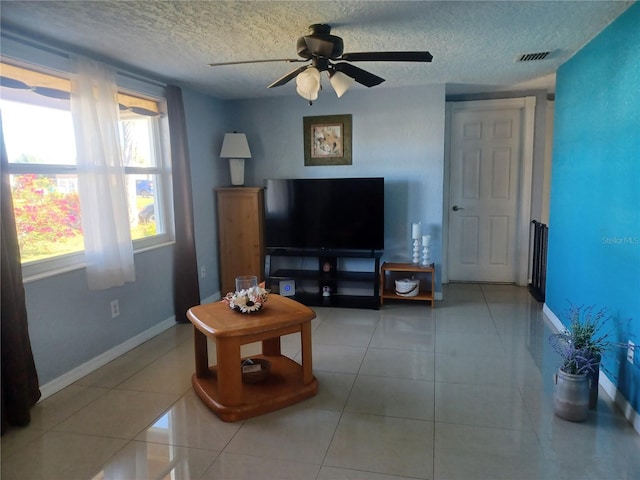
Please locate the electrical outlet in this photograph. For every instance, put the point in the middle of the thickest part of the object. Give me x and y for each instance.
(631, 351)
(203, 272)
(115, 308)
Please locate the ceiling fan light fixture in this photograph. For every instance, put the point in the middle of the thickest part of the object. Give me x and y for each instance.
(308, 83)
(340, 82)
(311, 96)
(323, 49)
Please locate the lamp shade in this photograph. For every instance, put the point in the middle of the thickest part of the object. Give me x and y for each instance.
(236, 148)
(235, 145)
(308, 83)
(340, 82)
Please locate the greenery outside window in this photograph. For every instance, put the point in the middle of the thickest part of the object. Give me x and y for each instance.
(40, 142)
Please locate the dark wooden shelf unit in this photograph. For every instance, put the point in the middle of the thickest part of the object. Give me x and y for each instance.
(335, 278)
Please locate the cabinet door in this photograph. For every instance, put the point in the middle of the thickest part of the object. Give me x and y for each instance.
(240, 234)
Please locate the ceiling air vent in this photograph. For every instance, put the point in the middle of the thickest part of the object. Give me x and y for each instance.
(531, 57)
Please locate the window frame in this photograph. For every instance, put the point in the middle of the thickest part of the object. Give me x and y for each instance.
(127, 87)
(164, 185)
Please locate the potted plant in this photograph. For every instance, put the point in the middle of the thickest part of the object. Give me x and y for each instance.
(580, 347)
(572, 383)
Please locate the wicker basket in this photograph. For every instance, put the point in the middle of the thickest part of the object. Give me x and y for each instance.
(255, 370)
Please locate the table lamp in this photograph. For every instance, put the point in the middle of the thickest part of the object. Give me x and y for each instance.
(236, 149)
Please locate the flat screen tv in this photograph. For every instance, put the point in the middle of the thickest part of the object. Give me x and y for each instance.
(326, 213)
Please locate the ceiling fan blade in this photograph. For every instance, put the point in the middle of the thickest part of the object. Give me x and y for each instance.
(287, 77)
(243, 62)
(359, 75)
(388, 57)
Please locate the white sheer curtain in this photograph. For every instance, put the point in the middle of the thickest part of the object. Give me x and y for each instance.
(101, 179)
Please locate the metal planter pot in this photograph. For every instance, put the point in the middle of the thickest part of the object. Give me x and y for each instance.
(571, 396)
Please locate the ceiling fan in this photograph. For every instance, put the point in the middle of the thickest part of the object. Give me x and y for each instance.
(325, 52)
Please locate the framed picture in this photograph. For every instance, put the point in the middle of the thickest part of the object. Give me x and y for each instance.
(327, 140)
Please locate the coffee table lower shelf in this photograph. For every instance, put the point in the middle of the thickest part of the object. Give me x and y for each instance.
(282, 387)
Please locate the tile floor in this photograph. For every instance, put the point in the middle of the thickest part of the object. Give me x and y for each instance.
(462, 391)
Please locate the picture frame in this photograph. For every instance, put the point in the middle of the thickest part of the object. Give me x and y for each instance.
(327, 140)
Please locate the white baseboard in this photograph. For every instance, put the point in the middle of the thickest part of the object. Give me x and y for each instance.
(555, 321)
(622, 403)
(604, 381)
(54, 386)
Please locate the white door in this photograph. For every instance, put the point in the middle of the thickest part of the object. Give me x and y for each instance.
(484, 178)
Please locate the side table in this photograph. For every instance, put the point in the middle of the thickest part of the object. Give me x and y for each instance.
(423, 294)
(221, 388)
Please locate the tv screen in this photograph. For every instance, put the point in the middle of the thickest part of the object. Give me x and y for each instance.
(328, 213)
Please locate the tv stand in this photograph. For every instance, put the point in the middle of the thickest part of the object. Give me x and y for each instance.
(312, 282)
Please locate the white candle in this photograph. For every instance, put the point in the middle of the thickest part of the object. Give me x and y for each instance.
(426, 240)
(415, 231)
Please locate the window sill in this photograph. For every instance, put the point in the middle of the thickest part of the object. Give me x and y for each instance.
(79, 266)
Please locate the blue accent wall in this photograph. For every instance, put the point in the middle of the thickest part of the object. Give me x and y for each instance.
(594, 226)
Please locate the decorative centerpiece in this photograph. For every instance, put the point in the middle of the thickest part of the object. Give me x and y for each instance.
(249, 297)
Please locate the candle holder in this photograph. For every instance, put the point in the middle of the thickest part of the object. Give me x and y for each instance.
(426, 243)
(416, 251)
(425, 256)
(416, 230)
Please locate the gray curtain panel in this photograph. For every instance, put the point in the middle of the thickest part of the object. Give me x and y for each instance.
(186, 289)
(20, 389)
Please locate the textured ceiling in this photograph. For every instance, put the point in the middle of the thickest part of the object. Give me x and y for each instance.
(474, 44)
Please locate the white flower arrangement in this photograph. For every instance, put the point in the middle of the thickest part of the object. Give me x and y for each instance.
(247, 301)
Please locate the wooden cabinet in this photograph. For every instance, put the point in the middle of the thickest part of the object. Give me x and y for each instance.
(240, 234)
(390, 272)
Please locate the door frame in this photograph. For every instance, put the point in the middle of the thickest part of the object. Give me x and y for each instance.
(528, 107)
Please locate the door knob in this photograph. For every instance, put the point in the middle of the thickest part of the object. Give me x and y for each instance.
(456, 208)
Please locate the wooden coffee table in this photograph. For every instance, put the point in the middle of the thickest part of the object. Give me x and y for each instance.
(221, 388)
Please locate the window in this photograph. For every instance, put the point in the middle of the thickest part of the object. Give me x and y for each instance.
(40, 142)
(138, 134)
